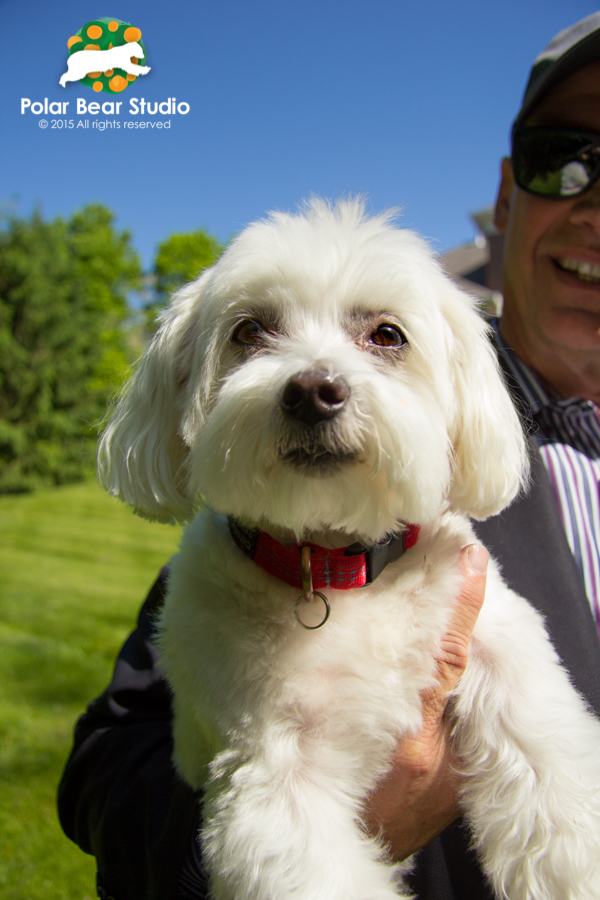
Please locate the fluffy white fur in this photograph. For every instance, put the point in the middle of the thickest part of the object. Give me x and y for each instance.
(290, 729)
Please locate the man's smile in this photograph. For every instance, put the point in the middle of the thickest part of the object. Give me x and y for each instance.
(584, 271)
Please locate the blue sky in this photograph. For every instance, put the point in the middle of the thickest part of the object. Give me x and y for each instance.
(410, 103)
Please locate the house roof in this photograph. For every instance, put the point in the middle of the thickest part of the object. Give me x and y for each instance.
(465, 259)
(467, 265)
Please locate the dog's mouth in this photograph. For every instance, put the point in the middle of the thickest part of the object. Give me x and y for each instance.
(318, 460)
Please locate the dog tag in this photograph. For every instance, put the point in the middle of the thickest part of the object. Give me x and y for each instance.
(310, 612)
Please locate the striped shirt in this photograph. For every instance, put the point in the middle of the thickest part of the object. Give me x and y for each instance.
(567, 435)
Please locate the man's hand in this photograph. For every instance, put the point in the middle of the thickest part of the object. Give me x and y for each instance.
(418, 798)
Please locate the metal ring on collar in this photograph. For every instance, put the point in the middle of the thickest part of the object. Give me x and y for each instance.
(304, 599)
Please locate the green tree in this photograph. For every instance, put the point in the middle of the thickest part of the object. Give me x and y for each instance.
(63, 345)
(179, 259)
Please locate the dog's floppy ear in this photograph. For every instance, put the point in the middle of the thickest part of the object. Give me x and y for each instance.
(142, 455)
(490, 455)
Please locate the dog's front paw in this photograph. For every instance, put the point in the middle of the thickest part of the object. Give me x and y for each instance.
(278, 838)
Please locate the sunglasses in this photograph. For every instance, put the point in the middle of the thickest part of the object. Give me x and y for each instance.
(558, 163)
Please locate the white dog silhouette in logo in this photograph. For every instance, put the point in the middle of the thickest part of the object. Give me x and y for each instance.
(325, 405)
(83, 62)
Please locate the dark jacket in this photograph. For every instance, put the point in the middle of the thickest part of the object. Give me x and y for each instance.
(121, 801)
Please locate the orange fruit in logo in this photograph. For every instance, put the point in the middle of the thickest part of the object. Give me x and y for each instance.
(109, 73)
(94, 74)
(91, 47)
(117, 84)
(94, 32)
(73, 40)
(112, 26)
(132, 34)
(97, 85)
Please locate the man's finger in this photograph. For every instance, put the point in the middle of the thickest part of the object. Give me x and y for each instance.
(454, 648)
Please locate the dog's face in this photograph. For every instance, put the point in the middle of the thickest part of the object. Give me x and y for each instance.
(134, 49)
(323, 374)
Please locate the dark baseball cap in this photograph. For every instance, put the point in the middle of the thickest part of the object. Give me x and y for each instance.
(571, 49)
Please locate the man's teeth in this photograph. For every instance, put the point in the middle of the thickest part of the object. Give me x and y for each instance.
(584, 270)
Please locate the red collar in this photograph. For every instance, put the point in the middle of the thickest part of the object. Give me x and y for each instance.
(342, 569)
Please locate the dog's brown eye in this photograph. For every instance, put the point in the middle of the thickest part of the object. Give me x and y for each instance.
(250, 333)
(387, 335)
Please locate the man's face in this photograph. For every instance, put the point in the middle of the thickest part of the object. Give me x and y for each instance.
(552, 247)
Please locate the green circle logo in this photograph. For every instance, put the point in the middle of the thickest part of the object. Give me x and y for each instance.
(106, 55)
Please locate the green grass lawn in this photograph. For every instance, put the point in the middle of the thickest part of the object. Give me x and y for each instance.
(75, 566)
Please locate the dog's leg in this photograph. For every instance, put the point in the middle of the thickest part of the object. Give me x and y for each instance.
(275, 830)
(531, 754)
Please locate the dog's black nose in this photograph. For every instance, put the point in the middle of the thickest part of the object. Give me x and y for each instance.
(314, 396)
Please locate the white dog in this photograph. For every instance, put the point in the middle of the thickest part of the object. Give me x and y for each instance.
(325, 385)
(84, 62)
